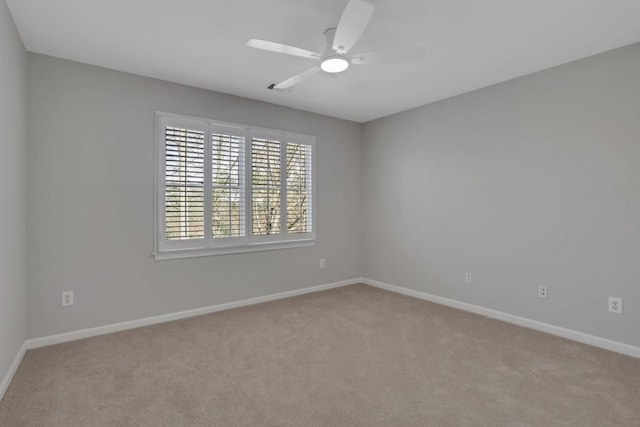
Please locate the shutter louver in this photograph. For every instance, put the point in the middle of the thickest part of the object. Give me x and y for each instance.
(266, 182)
(228, 197)
(184, 184)
(299, 187)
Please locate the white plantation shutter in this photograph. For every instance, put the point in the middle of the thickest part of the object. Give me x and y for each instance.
(266, 186)
(184, 188)
(227, 185)
(225, 188)
(299, 188)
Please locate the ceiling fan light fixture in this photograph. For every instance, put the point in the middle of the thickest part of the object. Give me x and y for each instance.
(334, 64)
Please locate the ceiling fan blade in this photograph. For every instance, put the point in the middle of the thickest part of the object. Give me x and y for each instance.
(282, 48)
(294, 80)
(354, 20)
(395, 56)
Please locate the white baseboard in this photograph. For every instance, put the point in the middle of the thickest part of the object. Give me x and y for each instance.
(494, 314)
(115, 327)
(4, 385)
(571, 334)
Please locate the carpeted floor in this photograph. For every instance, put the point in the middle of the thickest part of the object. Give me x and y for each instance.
(353, 356)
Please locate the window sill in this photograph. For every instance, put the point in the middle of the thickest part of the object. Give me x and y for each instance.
(255, 247)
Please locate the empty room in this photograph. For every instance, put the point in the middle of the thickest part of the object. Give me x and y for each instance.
(320, 213)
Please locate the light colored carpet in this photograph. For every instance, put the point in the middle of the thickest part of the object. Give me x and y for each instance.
(354, 356)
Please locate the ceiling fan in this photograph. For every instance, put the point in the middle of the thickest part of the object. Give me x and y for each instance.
(340, 40)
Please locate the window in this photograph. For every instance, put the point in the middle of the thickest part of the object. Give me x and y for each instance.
(227, 188)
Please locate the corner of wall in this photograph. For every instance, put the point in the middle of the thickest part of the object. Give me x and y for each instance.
(13, 122)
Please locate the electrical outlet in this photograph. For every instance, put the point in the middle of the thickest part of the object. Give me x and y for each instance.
(323, 264)
(467, 278)
(542, 292)
(67, 298)
(615, 305)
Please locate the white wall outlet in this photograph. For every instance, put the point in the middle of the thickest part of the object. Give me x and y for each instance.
(67, 298)
(323, 264)
(467, 278)
(542, 292)
(615, 305)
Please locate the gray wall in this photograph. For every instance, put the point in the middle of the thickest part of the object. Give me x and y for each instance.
(529, 182)
(90, 201)
(13, 313)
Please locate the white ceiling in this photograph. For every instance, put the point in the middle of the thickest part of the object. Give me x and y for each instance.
(468, 44)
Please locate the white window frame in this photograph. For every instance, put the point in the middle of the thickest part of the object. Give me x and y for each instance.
(208, 246)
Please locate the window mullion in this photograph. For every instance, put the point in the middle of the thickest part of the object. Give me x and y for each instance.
(207, 200)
